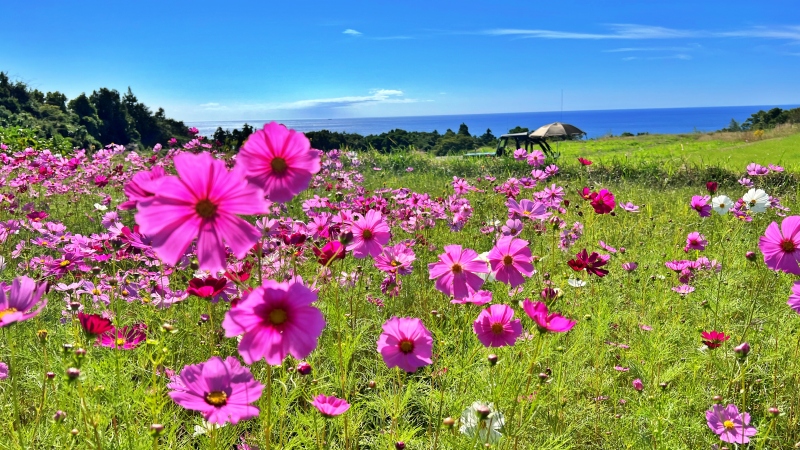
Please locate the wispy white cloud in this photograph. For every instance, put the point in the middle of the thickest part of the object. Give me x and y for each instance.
(212, 106)
(640, 32)
(653, 49)
(650, 58)
(352, 32)
(375, 96)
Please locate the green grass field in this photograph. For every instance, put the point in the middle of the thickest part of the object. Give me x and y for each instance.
(555, 391)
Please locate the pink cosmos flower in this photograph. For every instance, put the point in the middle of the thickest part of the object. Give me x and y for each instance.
(222, 390)
(513, 227)
(536, 158)
(754, 169)
(584, 161)
(329, 252)
(396, 259)
(3, 371)
(476, 298)
(202, 203)
(208, 287)
(370, 234)
(746, 182)
(781, 246)
(276, 319)
(731, 425)
(18, 301)
(603, 202)
(701, 205)
(520, 154)
(630, 207)
(141, 187)
(638, 385)
(496, 326)
(630, 266)
(125, 338)
(330, 406)
(279, 160)
(510, 259)
(776, 168)
(405, 343)
(714, 339)
(527, 209)
(794, 297)
(554, 323)
(456, 272)
(683, 289)
(695, 241)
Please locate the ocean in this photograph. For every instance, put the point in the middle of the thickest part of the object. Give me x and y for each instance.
(596, 123)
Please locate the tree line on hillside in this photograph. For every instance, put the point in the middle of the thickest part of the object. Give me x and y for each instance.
(98, 119)
(764, 120)
(437, 143)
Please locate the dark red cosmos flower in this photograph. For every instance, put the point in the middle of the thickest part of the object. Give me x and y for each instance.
(712, 187)
(37, 216)
(94, 324)
(205, 288)
(714, 338)
(587, 194)
(585, 161)
(591, 263)
(330, 251)
(240, 276)
(100, 180)
(603, 202)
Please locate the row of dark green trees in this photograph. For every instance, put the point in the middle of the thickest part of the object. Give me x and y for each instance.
(764, 120)
(86, 121)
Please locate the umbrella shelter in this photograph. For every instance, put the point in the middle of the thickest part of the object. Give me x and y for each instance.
(553, 131)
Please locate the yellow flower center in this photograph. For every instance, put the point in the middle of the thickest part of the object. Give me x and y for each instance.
(120, 342)
(7, 311)
(752, 203)
(277, 316)
(95, 291)
(728, 424)
(217, 398)
(279, 165)
(64, 263)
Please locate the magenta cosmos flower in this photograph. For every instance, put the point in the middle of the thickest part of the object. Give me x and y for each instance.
(695, 241)
(603, 202)
(17, 303)
(125, 338)
(202, 203)
(554, 323)
(222, 390)
(496, 326)
(405, 343)
(731, 425)
(794, 298)
(276, 319)
(781, 246)
(714, 338)
(279, 160)
(700, 204)
(330, 406)
(455, 273)
(396, 259)
(510, 259)
(370, 234)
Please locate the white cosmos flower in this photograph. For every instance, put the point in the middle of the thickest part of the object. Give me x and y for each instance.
(756, 200)
(100, 207)
(721, 204)
(2, 264)
(574, 282)
(200, 430)
(487, 429)
(485, 276)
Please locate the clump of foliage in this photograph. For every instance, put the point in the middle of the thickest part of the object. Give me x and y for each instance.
(86, 121)
(764, 120)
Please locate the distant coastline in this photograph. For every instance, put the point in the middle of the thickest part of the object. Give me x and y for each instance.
(596, 123)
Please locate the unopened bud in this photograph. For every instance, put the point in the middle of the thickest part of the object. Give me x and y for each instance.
(774, 411)
(483, 412)
(492, 359)
(372, 384)
(156, 429)
(59, 416)
(303, 368)
(449, 422)
(400, 445)
(742, 350)
(73, 373)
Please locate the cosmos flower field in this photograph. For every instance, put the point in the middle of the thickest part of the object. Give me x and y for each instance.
(285, 297)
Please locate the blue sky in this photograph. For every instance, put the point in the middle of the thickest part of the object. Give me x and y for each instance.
(232, 60)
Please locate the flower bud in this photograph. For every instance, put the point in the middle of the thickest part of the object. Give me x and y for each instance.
(483, 412)
(96, 270)
(492, 359)
(156, 429)
(372, 384)
(42, 335)
(717, 399)
(303, 368)
(751, 256)
(448, 422)
(73, 373)
(74, 432)
(400, 445)
(50, 375)
(742, 350)
(59, 416)
(774, 411)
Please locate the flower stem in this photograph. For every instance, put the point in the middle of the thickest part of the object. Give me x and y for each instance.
(268, 425)
(14, 386)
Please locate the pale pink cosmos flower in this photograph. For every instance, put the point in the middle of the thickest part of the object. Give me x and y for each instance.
(476, 298)
(513, 227)
(630, 266)
(405, 343)
(203, 204)
(276, 319)
(456, 272)
(396, 259)
(17, 302)
(781, 245)
(776, 168)
(279, 160)
(510, 260)
(527, 209)
(683, 289)
(630, 207)
(729, 424)
(754, 169)
(496, 326)
(222, 390)
(330, 406)
(695, 241)
(536, 158)
(370, 234)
